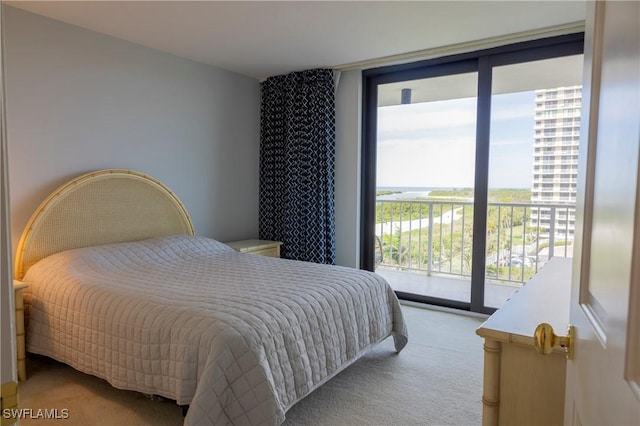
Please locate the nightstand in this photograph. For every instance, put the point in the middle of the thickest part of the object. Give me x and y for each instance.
(261, 247)
(18, 286)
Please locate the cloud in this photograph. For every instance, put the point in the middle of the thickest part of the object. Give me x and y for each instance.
(427, 116)
(433, 144)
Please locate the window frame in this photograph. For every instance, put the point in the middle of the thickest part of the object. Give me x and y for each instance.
(482, 62)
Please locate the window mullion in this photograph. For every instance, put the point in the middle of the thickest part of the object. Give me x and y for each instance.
(483, 130)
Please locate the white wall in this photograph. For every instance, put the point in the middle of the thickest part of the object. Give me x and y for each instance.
(347, 174)
(79, 101)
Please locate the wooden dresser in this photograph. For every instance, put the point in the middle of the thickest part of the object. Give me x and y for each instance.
(522, 386)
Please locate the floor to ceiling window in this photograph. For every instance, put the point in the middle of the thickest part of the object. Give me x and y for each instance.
(469, 170)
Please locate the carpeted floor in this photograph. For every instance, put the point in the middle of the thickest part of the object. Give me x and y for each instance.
(435, 380)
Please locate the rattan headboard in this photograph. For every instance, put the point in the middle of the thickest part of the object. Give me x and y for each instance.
(107, 206)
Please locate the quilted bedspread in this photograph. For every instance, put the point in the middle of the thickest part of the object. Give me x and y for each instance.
(239, 338)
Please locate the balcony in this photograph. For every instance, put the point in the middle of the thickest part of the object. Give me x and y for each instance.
(425, 247)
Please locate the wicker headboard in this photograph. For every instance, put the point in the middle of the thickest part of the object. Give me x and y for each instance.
(107, 206)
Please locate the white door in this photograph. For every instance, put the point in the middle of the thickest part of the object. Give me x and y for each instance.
(603, 380)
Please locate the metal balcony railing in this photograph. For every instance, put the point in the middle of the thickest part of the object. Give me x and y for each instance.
(436, 237)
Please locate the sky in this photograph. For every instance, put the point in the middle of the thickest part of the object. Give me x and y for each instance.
(432, 144)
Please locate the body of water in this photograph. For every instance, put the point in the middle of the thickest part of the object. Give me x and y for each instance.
(407, 193)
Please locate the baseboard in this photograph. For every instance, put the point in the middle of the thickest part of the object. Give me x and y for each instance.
(443, 309)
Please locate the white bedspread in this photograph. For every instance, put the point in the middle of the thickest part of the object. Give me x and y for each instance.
(238, 337)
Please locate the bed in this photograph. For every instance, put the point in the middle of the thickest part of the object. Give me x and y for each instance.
(121, 288)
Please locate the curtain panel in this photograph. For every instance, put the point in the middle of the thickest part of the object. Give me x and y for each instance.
(297, 161)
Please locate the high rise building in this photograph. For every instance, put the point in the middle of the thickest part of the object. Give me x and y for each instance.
(555, 158)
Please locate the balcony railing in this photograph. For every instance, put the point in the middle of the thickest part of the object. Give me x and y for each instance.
(436, 237)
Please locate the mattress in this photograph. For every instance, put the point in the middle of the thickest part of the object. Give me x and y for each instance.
(239, 338)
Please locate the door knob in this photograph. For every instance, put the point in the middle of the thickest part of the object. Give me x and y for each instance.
(545, 339)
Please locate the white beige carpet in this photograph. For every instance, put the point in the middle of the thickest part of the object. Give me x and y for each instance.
(435, 380)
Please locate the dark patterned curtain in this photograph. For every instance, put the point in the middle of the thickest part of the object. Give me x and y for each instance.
(297, 157)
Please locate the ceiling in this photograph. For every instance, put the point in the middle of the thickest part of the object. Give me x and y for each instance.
(265, 38)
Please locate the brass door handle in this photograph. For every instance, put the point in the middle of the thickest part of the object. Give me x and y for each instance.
(545, 339)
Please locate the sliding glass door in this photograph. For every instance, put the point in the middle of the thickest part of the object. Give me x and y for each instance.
(425, 184)
(533, 161)
(456, 203)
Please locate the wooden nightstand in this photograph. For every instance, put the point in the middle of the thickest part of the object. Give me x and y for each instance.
(261, 247)
(18, 286)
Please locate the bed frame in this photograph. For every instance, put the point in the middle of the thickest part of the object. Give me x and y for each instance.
(102, 207)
